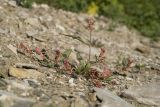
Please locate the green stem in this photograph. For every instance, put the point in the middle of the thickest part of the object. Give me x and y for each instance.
(90, 38)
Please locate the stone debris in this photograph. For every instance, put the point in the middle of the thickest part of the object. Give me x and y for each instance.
(24, 82)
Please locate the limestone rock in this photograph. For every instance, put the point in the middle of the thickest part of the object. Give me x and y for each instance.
(24, 73)
(147, 94)
(32, 21)
(11, 100)
(109, 99)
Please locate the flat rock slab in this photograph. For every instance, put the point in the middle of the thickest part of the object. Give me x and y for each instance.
(25, 73)
(148, 94)
(8, 99)
(109, 99)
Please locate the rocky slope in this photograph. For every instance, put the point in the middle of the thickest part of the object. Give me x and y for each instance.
(40, 86)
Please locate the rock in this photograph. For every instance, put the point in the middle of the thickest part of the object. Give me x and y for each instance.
(26, 66)
(3, 83)
(42, 104)
(61, 28)
(109, 99)
(31, 33)
(73, 58)
(3, 71)
(46, 18)
(71, 82)
(44, 6)
(147, 94)
(25, 73)
(32, 21)
(156, 45)
(23, 15)
(2, 31)
(33, 83)
(142, 49)
(92, 97)
(12, 3)
(12, 48)
(129, 79)
(80, 102)
(18, 85)
(60, 102)
(12, 31)
(11, 100)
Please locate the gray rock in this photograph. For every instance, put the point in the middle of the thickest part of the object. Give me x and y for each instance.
(23, 14)
(31, 33)
(33, 21)
(11, 100)
(80, 102)
(12, 3)
(18, 85)
(109, 99)
(148, 94)
(3, 83)
(26, 65)
(32, 82)
(2, 31)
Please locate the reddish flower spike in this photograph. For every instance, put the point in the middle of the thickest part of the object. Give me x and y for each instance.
(38, 51)
(97, 83)
(57, 56)
(67, 66)
(106, 73)
(90, 24)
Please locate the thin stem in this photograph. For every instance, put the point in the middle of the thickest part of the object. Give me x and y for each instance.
(90, 38)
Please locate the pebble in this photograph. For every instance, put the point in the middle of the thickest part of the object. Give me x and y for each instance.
(129, 79)
(71, 82)
(33, 22)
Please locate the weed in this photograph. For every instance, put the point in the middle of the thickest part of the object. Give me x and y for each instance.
(101, 57)
(68, 67)
(57, 56)
(83, 68)
(123, 63)
(90, 28)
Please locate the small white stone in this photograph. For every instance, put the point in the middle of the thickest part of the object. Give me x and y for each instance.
(129, 79)
(61, 82)
(71, 81)
(60, 27)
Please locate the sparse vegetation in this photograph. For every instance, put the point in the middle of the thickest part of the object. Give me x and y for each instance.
(61, 60)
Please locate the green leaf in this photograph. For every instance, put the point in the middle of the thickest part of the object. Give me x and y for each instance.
(79, 57)
(83, 67)
(66, 53)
